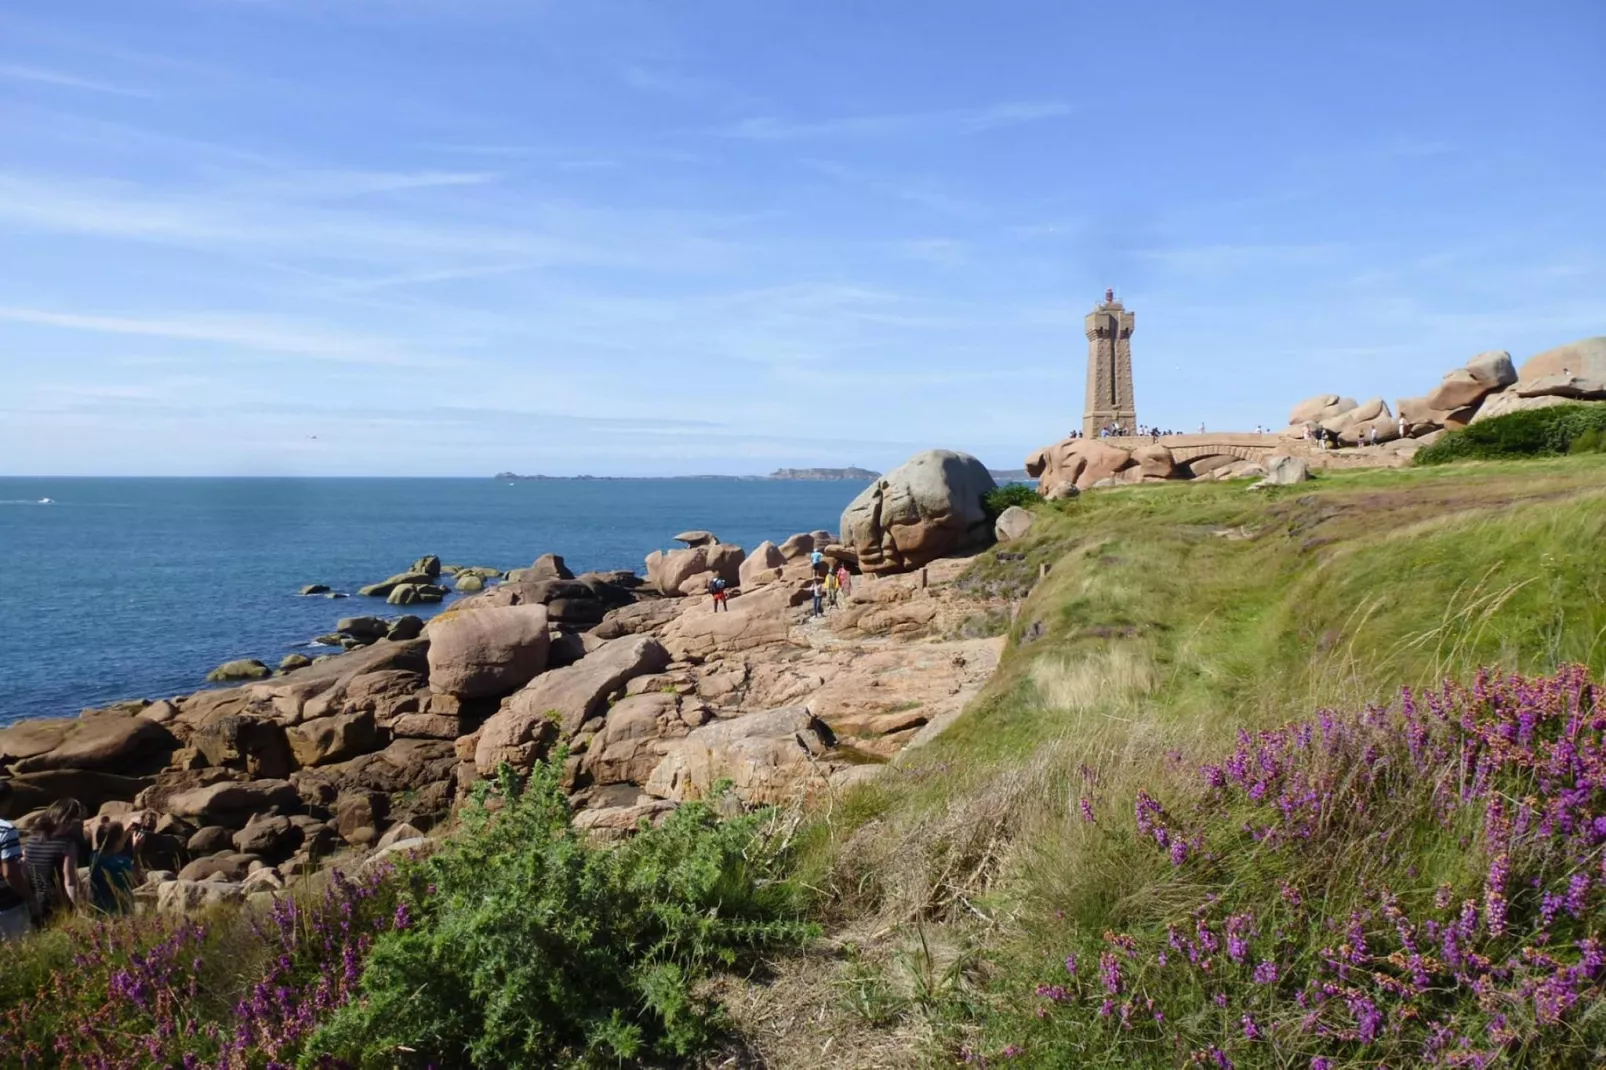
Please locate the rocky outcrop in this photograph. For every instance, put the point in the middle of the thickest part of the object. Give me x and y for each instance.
(1075, 462)
(243, 669)
(113, 742)
(558, 703)
(1585, 359)
(1012, 524)
(671, 573)
(1486, 386)
(1154, 462)
(489, 652)
(337, 738)
(928, 507)
(1283, 471)
(768, 757)
(697, 538)
(757, 618)
(637, 734)
(762, 566)
(383, 588)
(1466, 387)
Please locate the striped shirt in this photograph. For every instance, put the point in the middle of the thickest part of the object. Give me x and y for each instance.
(43, 860)
(10, 851)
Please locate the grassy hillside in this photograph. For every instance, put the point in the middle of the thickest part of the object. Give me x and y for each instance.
(1174, 617)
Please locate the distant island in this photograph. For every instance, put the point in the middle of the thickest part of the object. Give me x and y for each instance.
(808, 475)
(863, 475)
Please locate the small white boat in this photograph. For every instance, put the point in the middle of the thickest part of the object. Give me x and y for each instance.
(47, 501)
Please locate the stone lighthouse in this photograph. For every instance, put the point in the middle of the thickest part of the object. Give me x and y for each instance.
(1109, 368)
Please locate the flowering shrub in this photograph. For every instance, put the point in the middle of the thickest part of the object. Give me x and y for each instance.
(533, 947)
(1415, 886)
(242, 991)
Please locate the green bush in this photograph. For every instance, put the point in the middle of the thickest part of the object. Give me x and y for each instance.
(1590, 441)
(995, 501)
(1533, 433)
(531, 946)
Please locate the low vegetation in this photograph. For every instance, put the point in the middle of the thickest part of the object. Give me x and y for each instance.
(1560, 429)
(520, 943)
(1218, 807)
(530, 946)
(1177, 625)
(995, 501)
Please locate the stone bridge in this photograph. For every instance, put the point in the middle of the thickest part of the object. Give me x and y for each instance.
(1245, 446)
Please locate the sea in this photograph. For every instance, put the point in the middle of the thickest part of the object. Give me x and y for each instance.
(136, 588)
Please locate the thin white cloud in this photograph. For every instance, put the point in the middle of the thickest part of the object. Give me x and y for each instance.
(955, 120)
(336, 185)
(1209, 259)
(259, 333)
(41, 76)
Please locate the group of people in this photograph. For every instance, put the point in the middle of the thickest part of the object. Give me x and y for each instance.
(66, 865)
(827, 585)
(1326, 439)
(1118, 430)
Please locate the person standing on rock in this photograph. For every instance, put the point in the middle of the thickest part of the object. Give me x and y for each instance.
(716, 587)
(1402, 427)
(818, 592)
(51, 860)
(817, 561)
(844, 580)
(832, 585)
(14, 919)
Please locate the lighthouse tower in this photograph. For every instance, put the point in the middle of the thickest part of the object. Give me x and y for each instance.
(1109, 368)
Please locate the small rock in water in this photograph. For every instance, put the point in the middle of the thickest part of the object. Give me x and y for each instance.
(407, 627)
(315, 588)
(335, 594)
(363, 627)
(243, 669)
(429, 565)
(292, 662)
(470, 583)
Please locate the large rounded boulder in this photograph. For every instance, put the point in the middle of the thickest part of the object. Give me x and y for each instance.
(1584, 359)
(488, 652)
(928, 507)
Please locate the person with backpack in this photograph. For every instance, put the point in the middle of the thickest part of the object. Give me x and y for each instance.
(14, 917)
(716, 587)
(113, 863)
(832, 585)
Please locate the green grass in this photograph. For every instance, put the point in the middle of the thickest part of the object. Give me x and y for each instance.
(1172, 617)
(1551, 431)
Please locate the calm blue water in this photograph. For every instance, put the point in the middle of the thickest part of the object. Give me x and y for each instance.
(135, 588)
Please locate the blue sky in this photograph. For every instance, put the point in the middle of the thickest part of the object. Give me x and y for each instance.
(446, 237)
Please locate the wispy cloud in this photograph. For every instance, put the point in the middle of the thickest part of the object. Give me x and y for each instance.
(42, 76)
(1210, 259)
(914, 190)
(530, 231)
(941, 252)
(954, 120)
(259, 333)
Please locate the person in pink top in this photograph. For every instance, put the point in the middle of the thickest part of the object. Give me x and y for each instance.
(844, 580)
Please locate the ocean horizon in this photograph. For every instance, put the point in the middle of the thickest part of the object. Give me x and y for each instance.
(135, 587)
